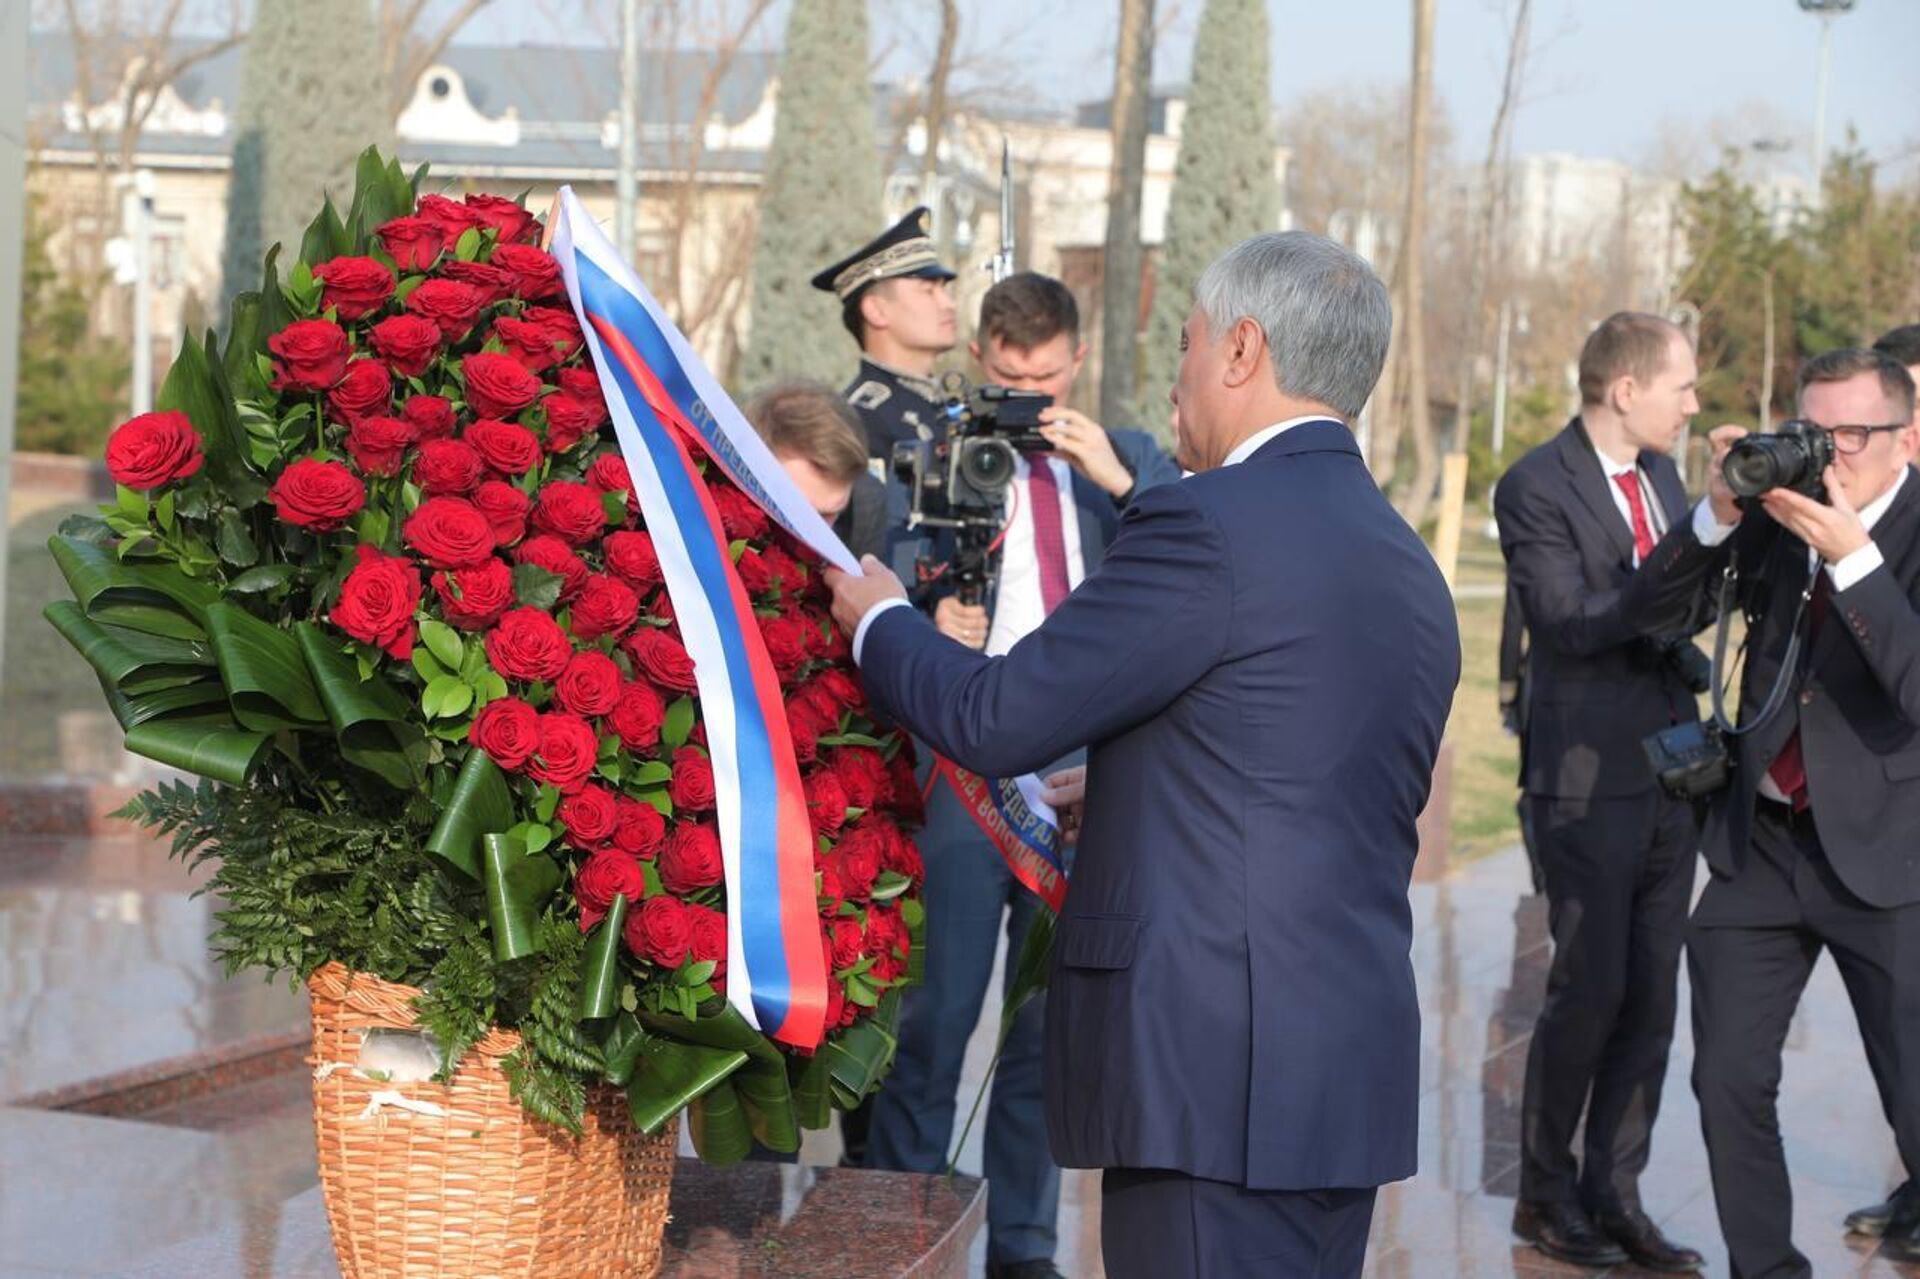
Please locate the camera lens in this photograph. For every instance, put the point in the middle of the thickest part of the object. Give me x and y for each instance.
(987, 465)
(1761, 462)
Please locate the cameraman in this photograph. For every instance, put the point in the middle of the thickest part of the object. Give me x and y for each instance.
(1577, 516)
(1064, 509)
(1812, 844)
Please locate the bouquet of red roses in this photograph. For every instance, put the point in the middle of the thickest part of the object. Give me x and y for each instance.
(376, 571)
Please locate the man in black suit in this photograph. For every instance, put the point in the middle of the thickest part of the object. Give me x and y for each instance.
(1577, 515)
(1813, 844)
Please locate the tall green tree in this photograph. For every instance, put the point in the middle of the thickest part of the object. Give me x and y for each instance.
(312, 98)
(822, 195)
(73, 382)
(1223, 184)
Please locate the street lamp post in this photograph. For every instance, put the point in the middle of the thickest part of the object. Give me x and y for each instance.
(626, 196)
(1826, 11)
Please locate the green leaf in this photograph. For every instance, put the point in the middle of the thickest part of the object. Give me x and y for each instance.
(209, 745)
(369, 717)
(261, 665)
(423, 662)
(614, 507)
(155, 598)
(467, 247)
(651, 772)
(889, 885)
(446, 697)
(234, 539)
(326, 237)
(535, 587)
(600, 979)
(717, 1123)
(86, 528)
(669, 1074)
(859, 1057)
(197, 386)
(697, 974)
(477, 803)
(849, 739)
(131, 661)
(377, 199)
(445, 643)
(517, 884)
(246, 342)
(546, 802)
(267, 577)
(812, 1097)
(202, 698)
(678, 725)
(621, 1049)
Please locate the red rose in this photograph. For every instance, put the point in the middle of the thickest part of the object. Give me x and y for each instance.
(709, 937)
(153, 450)
(508, 730)
(590, 685)
(513, 223)
(451, 216)
(632, 557)
(532, 346)
(637, 716)
(366, 390)
(406, 342)
(569, 510)
(431, 415)
(568, 421)
(508, 449)
(497, 386)
(536, 274)
(489, 283)
(752, 568)
(528, 645)
(448, 468)
(568, 749)
(321, 496)
(588, 814)
(846, 942)
(826, 802)
(660, 931)
(805, 725)
(605, 606)
(901, 856)
(783, 568)
(506, 509)
(692, 786)
(448, 303)
(354, 287)
(609, 474)
(639, 829)
(312, 355)
(858, 855)
(379, 445)
(550, 553)
(377, 601)
(449, 532)
(740, 515)
(909, 801)
(662, 659)
(832, 897)
(691, 859)
(474, 598)
(413, 243)
(583, 384)
(558, 318)
(842, 688)
(786, 641)
(863, 774)
(602, 877)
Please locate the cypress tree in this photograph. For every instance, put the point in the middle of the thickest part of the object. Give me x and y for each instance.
(311, 100)
(1223, 185)
(821, 199)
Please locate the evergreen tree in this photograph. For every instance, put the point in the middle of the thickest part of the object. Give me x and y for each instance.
(73, 382)
(1223, 185)
(311, 100)
(821, 199)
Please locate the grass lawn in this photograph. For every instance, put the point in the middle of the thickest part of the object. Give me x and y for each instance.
(1486, 759)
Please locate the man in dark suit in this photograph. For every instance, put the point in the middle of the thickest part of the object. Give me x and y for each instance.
(1813, 843)
(1577, 515)
(1063, 511)
(1262, 666)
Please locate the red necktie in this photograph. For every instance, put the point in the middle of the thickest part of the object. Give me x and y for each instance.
(1789, 767)
(1049, 543)
(1629, 482)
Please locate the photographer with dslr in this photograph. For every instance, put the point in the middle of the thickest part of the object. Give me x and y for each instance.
(1053, 515)
(1812, 843)
(1577, 516)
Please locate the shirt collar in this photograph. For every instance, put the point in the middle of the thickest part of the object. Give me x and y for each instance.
(1253, 443)
(1870, 513)
(1611, 467)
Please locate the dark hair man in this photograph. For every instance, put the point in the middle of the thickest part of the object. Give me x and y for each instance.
(1577, 516)
(1812, 842)
(1064, 510)
(818, 442)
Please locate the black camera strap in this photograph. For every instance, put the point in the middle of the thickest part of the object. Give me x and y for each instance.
(1777, 696)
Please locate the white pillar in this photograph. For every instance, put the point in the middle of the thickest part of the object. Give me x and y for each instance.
(626, 179)
(13, 205)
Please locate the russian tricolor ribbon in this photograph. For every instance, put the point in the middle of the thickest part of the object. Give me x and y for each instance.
(654, 383)
(1017, 822)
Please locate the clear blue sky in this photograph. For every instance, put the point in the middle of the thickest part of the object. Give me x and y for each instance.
(1608, 78)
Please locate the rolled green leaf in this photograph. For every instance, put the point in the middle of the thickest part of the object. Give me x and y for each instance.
(517, 885)
(209, 745)
(621, 1049)
(132, 661)
(812, 1096)
(477, 804)
(718, 1125)
(600, 982)
(265, 675)
(669, 1074)
(155, 599)
(202, 698)
(860, 1057)
(369, 717)
(762, 1083)
(197, 386)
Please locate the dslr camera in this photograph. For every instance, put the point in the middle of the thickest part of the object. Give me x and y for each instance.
(960, 482)
(1794, 457)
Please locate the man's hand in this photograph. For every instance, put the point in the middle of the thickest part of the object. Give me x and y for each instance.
(1066, 790)
(966, 623)
(1723, 438)
(853, 596)
(1084, 444)
(1832, 528)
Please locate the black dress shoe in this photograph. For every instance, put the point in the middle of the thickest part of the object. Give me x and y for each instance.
(1646, 1246)
(1041, 1268)
(1899, 1209)
(1901, 1242)
(1564, 1232)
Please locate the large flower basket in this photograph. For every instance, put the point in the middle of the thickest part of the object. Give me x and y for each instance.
(456, 1179)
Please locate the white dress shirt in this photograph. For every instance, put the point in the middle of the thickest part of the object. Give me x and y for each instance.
(1018, 606)
(1656, 518)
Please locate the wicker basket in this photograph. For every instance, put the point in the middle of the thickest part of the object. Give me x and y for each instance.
(479, 1188)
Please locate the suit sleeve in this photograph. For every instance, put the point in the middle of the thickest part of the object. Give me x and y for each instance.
(1129, 640)
(1543, 566)
(1886, 629)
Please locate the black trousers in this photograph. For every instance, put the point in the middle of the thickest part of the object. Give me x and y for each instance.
(1750, 949)
(1618, 873)
(1156, 1224)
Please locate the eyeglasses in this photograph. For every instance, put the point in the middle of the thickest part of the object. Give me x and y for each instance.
(1853, 439)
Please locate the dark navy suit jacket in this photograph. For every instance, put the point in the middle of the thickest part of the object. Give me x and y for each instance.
(1262, 665)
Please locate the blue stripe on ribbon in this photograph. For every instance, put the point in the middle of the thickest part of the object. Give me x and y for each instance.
(758, 898)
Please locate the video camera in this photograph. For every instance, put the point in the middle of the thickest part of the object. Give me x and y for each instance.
(1794, 457)
(960, 481)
